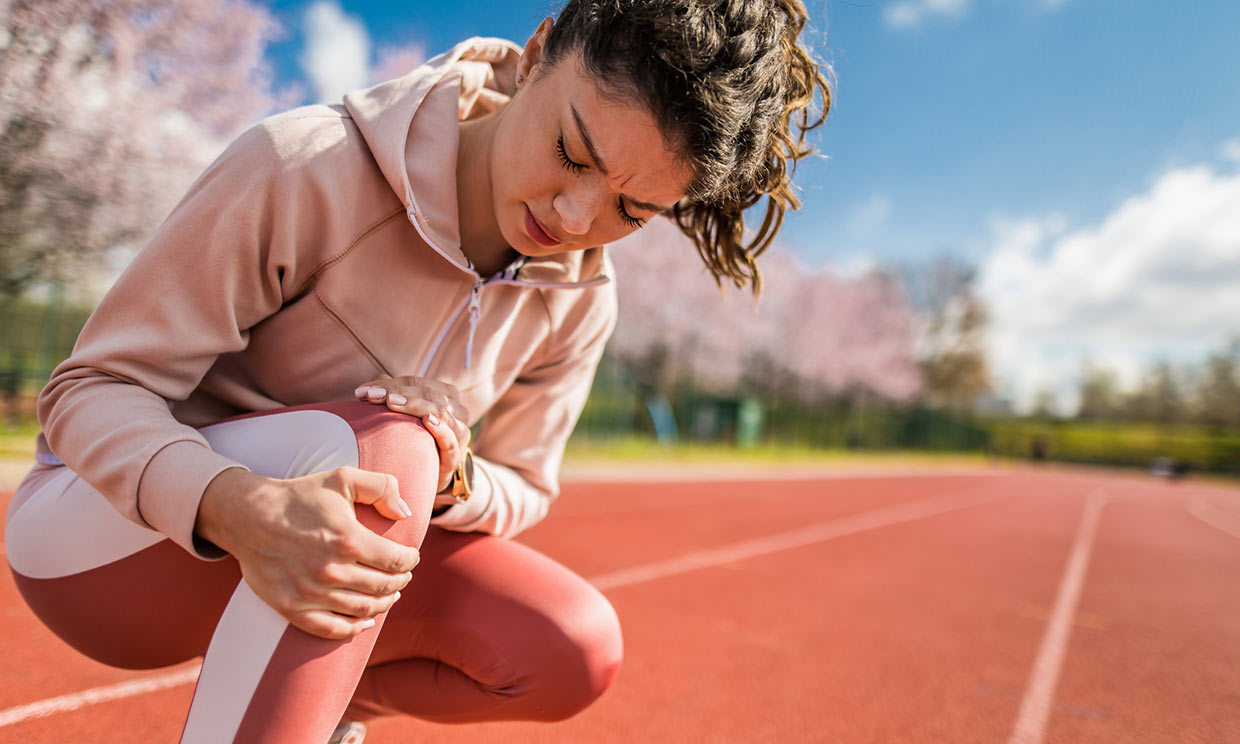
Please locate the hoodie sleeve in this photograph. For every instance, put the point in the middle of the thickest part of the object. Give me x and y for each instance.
(518, 453)
(225, 258)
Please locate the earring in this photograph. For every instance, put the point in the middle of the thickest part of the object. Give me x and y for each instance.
(520, 79)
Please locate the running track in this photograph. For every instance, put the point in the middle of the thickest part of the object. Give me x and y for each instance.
(1002, 606)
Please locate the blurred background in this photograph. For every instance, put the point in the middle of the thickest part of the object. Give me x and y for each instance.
(1021, 240)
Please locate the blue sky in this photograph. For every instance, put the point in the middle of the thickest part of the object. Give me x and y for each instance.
(967, 127)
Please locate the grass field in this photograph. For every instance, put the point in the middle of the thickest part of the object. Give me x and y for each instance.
(634, 450)
(18, 441)
(612, 457)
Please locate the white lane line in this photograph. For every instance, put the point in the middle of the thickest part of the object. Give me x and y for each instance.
(823, 531)
(816, 533)
(1211, 515)
(1035, 708)
(96, 695)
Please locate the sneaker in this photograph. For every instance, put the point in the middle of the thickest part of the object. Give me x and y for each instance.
(348, 732)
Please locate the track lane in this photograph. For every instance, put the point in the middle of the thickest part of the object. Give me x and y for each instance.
(912, 633)
(1163, 666)
(916, 632)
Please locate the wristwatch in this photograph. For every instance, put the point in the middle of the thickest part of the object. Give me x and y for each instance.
(459, 488)
(463, 479)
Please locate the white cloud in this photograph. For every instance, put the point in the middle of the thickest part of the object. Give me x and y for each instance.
(852, 266)
(870, 216)
(1158, 278)
(336, 57)
(1230, 150)
(910, 13)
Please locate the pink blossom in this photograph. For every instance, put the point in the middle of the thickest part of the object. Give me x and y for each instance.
(831, 332)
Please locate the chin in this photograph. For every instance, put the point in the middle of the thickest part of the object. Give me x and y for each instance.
(538, 251)
(523, 244)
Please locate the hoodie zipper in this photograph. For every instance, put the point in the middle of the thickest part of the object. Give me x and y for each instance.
(475, 309)
(473, 301)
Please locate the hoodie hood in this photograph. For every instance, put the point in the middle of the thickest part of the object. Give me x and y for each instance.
(409, 125)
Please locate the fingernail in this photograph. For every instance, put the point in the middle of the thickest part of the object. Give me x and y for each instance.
(398, 399)
(367, 624)
(361, 391)
(376, 392)
(397, 597)
(404, 509)
(430, 419)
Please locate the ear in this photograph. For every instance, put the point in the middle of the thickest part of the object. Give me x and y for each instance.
(533, 52)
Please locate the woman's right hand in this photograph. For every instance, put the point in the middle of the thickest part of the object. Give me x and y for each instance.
(302, 549)
(437, 404)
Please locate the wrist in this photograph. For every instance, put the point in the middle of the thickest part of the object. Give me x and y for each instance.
(219, 501)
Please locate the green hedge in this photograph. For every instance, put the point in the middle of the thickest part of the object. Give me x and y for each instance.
(1113, 443)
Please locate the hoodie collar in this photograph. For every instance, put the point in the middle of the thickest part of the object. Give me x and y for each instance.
(408, 125)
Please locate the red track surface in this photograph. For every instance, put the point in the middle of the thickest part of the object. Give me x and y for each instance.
(872, 625)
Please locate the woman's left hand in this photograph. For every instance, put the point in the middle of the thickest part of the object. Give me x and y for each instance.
(439, 406)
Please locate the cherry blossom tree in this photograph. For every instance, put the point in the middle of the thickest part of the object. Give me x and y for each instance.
(829, 334)
(108, 110)
(951, 322)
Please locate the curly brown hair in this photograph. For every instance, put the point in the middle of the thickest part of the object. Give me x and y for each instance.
(727, 81)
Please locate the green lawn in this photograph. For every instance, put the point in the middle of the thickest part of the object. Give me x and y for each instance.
(643, 450)
(18, 441)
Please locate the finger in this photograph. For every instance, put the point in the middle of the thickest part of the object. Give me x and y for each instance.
(361, 390)
(330, 625)
(356, 604)
(381, 490)
(450, 434)
(450, 451)
(379, 552)
(430, 400)
(460, 429)
(414, 406)
(449, 398)
(358, 578)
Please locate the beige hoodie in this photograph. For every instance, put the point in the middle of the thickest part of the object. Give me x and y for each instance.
(320, 251)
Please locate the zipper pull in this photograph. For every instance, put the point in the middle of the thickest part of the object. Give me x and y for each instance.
(475, 299)
(475, 309)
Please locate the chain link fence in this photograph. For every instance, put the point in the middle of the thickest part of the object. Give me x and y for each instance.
(34, 338)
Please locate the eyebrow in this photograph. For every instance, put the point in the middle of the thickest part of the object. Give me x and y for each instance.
(585, 137)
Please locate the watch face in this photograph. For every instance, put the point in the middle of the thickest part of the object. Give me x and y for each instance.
(463, 479)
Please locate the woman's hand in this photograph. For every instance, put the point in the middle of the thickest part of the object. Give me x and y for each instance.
(302, 549)
(439, 406)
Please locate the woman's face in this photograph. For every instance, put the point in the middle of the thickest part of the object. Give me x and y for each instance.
(571, 169)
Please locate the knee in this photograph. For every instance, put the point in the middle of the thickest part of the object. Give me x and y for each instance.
(392, 442)
(582, 661)
(387, 439)
(398, 444)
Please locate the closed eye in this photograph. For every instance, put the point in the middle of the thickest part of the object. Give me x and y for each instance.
(576, 168)
(568, 162)
(631, 221)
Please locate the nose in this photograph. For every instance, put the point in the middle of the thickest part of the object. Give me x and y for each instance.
(577, 207)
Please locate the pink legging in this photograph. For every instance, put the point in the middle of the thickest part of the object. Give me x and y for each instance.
(487, 630)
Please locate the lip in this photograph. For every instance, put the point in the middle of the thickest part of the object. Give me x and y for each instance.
(537, 232)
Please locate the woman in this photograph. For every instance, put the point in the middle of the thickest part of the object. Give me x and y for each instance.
(432, 249)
